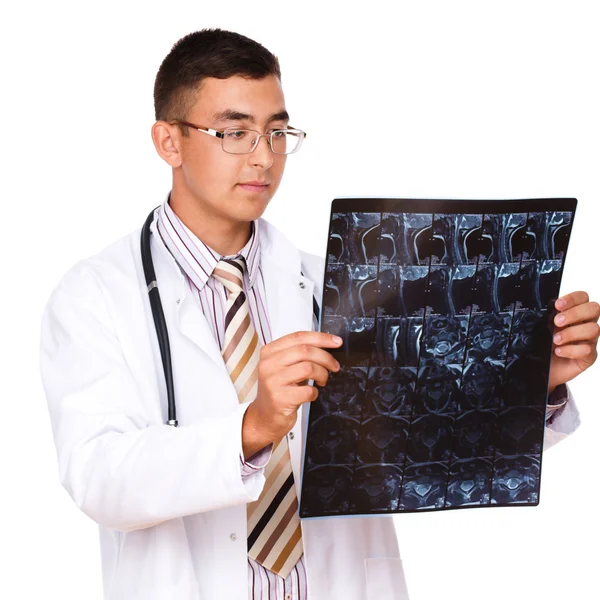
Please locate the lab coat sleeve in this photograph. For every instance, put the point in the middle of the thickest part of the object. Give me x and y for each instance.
(564, 423)
(122, 466)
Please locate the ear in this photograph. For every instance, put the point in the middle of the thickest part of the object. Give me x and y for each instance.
(167, 141)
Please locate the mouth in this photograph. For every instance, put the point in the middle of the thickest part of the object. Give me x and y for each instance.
(254, 186)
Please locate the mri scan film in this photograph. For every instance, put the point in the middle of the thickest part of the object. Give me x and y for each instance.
(446, 310)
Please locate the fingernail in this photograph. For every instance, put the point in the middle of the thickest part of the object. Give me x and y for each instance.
(558, 350)
(338, 366)
(557, 338)
(560, 319)
(336, 339)
(561, 303)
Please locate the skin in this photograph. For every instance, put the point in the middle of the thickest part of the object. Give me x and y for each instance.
(206, 194)
(207, 197)
(575, 338)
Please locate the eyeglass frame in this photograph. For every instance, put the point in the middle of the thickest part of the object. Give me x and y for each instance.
(221, 135)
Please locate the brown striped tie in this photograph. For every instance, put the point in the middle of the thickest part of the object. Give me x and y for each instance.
(274, 533)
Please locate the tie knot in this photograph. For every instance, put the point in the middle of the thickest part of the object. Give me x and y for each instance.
(230, 272)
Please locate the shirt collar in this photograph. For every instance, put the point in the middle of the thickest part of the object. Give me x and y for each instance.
(196, 259)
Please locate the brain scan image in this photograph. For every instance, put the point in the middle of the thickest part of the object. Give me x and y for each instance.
(446, 309)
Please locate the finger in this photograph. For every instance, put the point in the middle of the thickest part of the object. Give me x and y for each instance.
(586, 352)
(587, 332)
(306, 393)
(571, 300)
(312, 338)
(303, 393)
(305, 352)
(590, 311)
(300, 372)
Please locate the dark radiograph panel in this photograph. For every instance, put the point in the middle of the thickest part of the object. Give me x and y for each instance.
(446, 310)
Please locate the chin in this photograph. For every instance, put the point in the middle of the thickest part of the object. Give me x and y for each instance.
(255, 212)
(243, 214)
(250, 210)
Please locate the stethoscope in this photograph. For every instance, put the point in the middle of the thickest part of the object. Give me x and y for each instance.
(159, 317)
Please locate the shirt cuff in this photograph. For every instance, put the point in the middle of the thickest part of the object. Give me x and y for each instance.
(256, 462)
(565, 420)
(557, 401)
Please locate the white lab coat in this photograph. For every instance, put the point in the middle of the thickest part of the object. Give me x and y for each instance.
(171, 502)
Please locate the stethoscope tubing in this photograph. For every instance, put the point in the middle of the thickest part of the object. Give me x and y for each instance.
(159, 317)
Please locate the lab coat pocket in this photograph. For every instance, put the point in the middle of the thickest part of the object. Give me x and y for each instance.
(385, 579)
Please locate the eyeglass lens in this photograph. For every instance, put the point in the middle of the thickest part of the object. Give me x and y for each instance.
(242, 141)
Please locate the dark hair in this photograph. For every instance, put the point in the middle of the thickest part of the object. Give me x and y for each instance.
(206, 53)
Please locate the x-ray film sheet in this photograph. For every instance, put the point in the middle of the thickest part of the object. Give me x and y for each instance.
(445, 308)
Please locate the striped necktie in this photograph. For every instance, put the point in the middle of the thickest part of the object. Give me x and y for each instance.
(274, 533)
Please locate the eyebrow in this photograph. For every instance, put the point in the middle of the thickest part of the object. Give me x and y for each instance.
(235, 115)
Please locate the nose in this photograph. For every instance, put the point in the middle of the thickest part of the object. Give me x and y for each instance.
(262, 155)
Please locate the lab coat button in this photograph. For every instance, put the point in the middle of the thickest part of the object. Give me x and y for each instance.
(291, 434)
(233, 537)
(178, 300)
(301, 284)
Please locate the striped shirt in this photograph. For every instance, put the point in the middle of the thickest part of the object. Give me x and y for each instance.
(197, 261)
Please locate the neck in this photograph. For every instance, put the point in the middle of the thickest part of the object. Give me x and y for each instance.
(223, 236)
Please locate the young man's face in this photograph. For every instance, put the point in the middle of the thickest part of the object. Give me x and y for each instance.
(215, 179)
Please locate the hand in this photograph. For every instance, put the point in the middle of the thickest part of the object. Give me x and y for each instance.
(284, 366)
(575, 338)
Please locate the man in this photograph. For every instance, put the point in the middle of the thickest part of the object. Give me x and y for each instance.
(208, 509)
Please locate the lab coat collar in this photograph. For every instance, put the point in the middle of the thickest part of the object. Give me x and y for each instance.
(195, 257)
(288, 293)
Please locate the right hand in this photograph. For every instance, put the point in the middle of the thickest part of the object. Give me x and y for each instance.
(284, 366)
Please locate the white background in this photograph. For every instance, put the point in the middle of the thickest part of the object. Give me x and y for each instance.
(408, 99)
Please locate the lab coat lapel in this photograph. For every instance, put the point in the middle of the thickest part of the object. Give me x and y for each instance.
(288, 298)
(288, 293)
(195, 327)
(191, 322)
(289, 305)
(290, 309)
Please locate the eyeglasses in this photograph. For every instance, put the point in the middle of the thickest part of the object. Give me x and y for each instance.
(244, 141)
